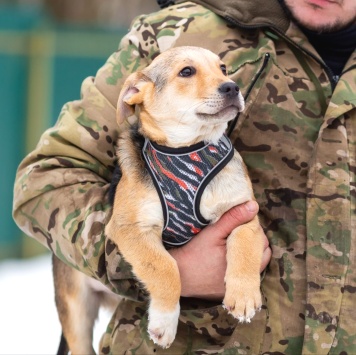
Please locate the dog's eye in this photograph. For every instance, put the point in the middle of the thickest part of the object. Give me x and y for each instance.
(223, 69)
(187, 72)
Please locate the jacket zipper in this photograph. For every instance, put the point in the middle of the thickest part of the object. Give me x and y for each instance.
(332, 77)
(260, 71)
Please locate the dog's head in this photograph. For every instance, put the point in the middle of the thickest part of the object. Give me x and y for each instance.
(184, 96)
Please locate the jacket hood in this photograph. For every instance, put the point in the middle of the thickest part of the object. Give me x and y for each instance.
(249, 13)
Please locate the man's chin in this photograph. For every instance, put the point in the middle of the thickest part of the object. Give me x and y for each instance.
(318, 18)
(323, 26)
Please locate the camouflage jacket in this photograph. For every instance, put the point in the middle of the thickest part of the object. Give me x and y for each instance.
(297, 136)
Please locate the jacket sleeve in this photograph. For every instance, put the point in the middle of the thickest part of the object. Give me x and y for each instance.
(60, 193)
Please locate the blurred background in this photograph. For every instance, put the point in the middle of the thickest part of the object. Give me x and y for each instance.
(47, 48)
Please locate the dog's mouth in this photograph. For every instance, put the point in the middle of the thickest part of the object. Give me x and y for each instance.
(226, 114)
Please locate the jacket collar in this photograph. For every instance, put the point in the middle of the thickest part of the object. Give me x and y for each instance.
(249, 13)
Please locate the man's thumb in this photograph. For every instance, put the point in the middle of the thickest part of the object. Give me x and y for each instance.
(235, 217)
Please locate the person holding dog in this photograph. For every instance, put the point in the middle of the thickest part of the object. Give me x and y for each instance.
(295, 63)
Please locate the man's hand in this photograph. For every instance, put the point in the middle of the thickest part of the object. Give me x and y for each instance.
(202, 261)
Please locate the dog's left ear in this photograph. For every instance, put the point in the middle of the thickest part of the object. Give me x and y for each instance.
(130, 95)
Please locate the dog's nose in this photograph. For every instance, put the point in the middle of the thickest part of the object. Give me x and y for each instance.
(229, 89)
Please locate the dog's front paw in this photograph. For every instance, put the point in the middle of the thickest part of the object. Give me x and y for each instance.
(242, 299)
(162, 326)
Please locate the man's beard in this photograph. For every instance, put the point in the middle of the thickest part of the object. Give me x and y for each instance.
(324, 28)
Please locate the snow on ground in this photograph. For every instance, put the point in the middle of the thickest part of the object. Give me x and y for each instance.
(28, 318)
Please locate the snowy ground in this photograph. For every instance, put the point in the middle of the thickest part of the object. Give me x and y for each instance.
(28, 317)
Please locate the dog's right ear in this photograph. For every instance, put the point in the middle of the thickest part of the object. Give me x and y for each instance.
(130, 95)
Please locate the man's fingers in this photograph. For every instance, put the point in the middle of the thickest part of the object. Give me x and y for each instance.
(234, 217)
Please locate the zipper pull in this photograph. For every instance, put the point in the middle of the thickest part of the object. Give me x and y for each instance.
(336, 78)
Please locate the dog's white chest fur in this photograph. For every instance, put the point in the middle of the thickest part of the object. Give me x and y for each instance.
(229, 188)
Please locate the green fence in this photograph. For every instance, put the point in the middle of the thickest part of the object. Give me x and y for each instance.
(42, 66)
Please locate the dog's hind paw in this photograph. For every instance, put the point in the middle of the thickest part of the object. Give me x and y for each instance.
(162, 326)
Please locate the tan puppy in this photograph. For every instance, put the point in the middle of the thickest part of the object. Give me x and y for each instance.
(182, 98)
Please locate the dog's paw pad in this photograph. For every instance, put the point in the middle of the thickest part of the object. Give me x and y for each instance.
(162, 337)
(155, 335)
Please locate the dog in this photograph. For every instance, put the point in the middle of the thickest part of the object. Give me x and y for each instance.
(183, 101)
